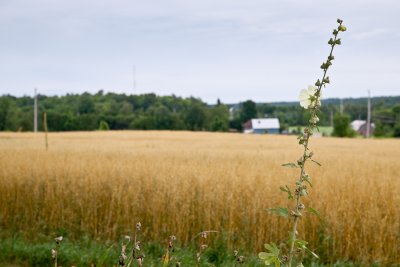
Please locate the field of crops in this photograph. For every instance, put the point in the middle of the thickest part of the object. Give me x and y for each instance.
(101, 183)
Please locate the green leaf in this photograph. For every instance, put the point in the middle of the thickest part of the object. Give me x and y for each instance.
(312, 253)
(300, 243)
(272, 257)
(287, 190)
(272, 248)
(263, 255)
(280, 211)
(316, 162)
(315, 212)
(290, 165)
(166, 259)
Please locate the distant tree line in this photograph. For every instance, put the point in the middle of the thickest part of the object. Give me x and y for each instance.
(100, 111)
(88, 112)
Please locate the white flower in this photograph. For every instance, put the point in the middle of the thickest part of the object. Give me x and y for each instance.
(308, 98)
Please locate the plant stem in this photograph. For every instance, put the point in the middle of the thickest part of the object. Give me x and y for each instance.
(308, 133)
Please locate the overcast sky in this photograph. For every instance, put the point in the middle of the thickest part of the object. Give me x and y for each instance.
(229, 49)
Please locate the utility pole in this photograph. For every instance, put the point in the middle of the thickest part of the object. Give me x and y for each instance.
(369, 115)
(35, 111)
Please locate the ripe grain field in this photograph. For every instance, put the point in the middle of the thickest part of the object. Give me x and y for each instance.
(102, 183)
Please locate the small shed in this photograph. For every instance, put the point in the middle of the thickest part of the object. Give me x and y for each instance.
(360, 126)
(262, 126)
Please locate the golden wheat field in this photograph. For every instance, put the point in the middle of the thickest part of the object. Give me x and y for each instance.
(102, 183)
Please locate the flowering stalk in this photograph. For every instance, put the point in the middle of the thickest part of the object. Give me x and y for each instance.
(124, 260)
(170, 248)
(309, 99)
(314, 104)
(54, 251)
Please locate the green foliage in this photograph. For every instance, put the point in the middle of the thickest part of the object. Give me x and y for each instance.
(290, 165)
(4, 110)
(151, 112)
(271, 257)
(248, 111)
(218, 118)
(18, 251)
(341, 126)
(396, 130)
(104, 126)
(196, 117)
(280, 211)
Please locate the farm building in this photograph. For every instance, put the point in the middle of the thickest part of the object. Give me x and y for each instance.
(262, 126)
(360, 126)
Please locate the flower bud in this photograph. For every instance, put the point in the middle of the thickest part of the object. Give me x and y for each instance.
(204, 235)
(342, 28)
(318, 83)
(53, 253)
(338, 42)
(339, 21)
(331, 42)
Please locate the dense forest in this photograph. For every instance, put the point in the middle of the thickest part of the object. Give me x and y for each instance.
(100, 111)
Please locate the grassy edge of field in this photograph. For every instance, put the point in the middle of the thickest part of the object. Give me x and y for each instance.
(16, 251)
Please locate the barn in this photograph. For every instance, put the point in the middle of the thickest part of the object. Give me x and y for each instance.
(262, 126)
(360, 126)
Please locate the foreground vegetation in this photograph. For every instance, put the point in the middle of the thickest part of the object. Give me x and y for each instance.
(17, 252)
(100, 184)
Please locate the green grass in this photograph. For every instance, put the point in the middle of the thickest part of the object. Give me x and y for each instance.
(18, 252)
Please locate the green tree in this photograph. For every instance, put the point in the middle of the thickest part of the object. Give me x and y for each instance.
(104, 126)
(248, 111)
(218, 118)
(86, 104)
(396, 130)
(341, 126)
(195, 117)
(4, 110)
